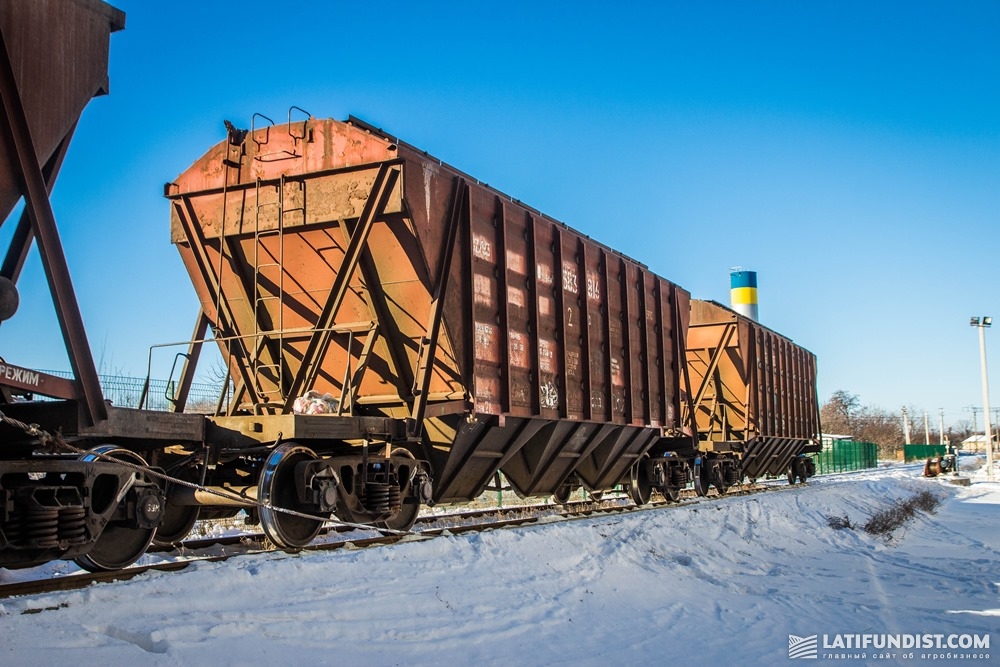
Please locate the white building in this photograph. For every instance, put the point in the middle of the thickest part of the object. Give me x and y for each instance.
(976, 443)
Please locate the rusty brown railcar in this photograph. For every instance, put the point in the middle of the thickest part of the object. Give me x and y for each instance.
(53, 60)
(754, 394)
(329, 256)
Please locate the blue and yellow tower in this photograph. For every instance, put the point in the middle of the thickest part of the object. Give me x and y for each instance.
(743, 292)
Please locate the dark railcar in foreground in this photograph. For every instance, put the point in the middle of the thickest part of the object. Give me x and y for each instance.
(55, 502)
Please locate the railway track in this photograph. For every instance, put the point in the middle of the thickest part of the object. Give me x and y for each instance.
(250, 544)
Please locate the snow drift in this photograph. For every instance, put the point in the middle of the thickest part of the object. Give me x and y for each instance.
(701, 583)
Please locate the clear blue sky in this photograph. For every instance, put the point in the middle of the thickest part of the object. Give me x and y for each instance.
(849, 152)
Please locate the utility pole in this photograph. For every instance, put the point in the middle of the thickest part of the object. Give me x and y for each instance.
(982, 324)
(941, 424)
(906, 427)
(927, 430)
(975, 428)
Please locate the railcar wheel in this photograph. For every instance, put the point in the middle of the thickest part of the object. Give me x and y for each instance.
(640, 490)
(719, 480)
(562, 494)
(276, 488)
(120, 543)
(701, 476)
(178, 520)
(795, 471)
(407, 515)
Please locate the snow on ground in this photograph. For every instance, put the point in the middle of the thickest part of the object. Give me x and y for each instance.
(708, 583)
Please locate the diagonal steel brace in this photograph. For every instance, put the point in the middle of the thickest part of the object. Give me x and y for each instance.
(319, 341)
(39, 208)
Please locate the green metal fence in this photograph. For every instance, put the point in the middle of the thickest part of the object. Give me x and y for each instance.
(846, 455)
(921, 452)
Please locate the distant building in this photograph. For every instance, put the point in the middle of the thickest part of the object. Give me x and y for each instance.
(975, 443)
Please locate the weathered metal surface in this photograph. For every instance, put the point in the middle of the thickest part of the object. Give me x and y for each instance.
(246, 430)
(509, 340)
(59, 53)
(36, 382)
(53, 59)
(751, 387)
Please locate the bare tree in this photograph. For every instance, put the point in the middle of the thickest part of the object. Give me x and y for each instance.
(837, 414)
(844, 414)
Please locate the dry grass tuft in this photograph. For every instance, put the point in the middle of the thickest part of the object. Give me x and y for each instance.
(884, 522)
(839, 522)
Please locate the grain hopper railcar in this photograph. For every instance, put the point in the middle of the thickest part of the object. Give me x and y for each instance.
(458, 332)
(754, 399)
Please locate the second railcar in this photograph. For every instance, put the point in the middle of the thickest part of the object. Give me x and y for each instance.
(753, 398)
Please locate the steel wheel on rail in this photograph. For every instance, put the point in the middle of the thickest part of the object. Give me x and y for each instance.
(640, 488)
(701, 476)
(719, 477)
(672, 493)
(276, 489)
(407, 515)
(121, 543)
(562, 494)
(178, 520)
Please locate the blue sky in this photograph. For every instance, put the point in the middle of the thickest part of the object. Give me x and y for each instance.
(849, 152)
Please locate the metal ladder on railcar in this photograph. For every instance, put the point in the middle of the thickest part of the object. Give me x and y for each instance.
(268, 377)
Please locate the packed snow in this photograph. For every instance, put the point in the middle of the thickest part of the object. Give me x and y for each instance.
(706, 583)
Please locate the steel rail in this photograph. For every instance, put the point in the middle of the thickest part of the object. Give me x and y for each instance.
(585, 511)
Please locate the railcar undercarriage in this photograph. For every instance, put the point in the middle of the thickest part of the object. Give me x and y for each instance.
(104, 506)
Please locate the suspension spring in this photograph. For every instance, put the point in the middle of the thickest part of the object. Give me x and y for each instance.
(732, 474)
(679, 476)
(72, 525)
(376, 498)
(395, 499)
(42, 526)
(13, 528)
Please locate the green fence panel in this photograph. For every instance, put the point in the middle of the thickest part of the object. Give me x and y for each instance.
(845, 456)
(921, 452)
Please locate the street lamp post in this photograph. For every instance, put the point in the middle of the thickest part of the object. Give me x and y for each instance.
(982, 324)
